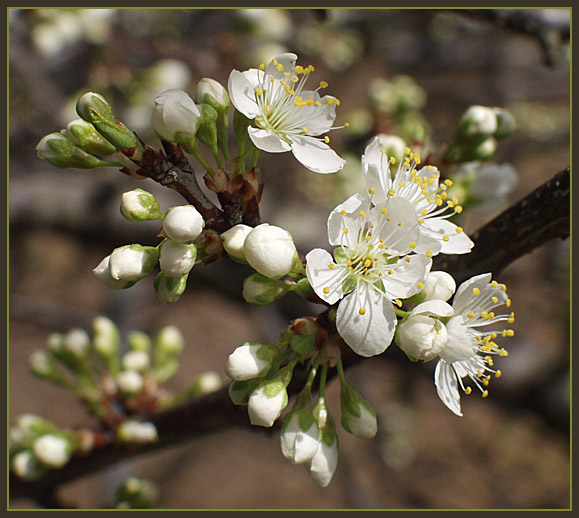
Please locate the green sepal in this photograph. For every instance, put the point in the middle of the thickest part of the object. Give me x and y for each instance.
(303, 345)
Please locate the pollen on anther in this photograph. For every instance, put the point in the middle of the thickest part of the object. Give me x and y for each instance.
(362, 311)
(475, 291)
(420, 285)
(326, 290)
(384, 211)
(331, 266)
(412, 244)
(428, 253)
(498, 374)
(362, 214)
(485, 393)
(345, 230)
(467, 390)
(371, 190)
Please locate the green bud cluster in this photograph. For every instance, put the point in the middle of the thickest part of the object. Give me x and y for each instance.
(136, 493)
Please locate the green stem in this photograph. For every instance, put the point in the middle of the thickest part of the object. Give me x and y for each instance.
(401, 312)
(242, 156)
(341, 374)
(323, 377)
(254, 158)
(109, 163)
(194, 150)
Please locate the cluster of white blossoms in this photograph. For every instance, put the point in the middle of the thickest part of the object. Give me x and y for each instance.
(176, 254)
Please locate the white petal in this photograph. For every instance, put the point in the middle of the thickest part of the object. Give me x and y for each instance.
(464, 295)
(268, 141)
(396, 223)
(242, 94)
(447, 386)
(319, 116)
(377, 170)
(456, 244)
(337, 221)
(371, 333)
(322, 276)
(403, 282)
(437, 308)
(316, 155)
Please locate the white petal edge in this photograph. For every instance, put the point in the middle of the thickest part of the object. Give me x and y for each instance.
(321, 275)
(242, 94)
(267, 141)
(447, 386)
(316, 155)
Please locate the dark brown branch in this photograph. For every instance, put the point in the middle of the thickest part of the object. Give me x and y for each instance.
(543, 215)
(540, 217)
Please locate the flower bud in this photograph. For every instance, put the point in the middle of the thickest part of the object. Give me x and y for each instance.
(169, 289)
(139, 341)
(137, 494)
(234, 239)
(439, 286)
(323, 464)
(260, 290)
(136, 432)
(26, 466)
(211, 92)
(59, 151)
(266, 402)
(132, 262)
(207, 132)
(136, 361)
(176, 118)
(107, 341)
(250, 361)
(42, 364)
(77, 342)
(33, 425)
(53, 451)
(358, 416)
(169, 341)
(140, 205)
(206, 383)
(183, 224)
(270, 250)
(85, 136)
(422, 336)
(103, 273)
(506, 124)
(239, 391)
(300, 433)
(94, 108)
(478, 121)
(176, 259)
(129, 382)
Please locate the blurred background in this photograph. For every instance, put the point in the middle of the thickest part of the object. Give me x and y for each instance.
(511, 450)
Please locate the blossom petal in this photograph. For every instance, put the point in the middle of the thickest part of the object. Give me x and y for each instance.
(406, 274)
(371, 333)
(458, 243)
(377, 171)
(316, 155)
(268, 141)
(447, 386)
(351, 219)
(323, 275)
(465, 297)
(318, 115)
(242, 94)
(437, 308)
(396, 224)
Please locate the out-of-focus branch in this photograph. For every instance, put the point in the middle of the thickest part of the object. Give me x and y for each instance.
(541, 216)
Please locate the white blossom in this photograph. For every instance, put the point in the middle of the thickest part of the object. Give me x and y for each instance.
(422, 189)
(439, 285)
(286, 116)
(372, 269)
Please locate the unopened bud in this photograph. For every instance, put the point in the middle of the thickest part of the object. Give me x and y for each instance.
(506, 124)
(136, 361)
(53, 451)
(169, 341)
(358, 416)
(139, 341)
(26, 466)
(250, 361)
(132, 262)
(129, 382)
(176, 118)
(211, 92)
(137, 494)
(85, 136)
(103, 273)
(59, 151)
(393, 145)
(478, 121)
(439, 285)
(107, 341)
(183, 224)
(234, 239)
(176, 259)
(270, 250)
(260, 290)
(140, 205)
(169, 289)
(137, 432)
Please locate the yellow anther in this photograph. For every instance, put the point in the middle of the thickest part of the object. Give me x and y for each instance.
(266, 108)
(310, 101)
(384, 211)
(420, 221)
(420, 285)
(392, 160)
(343, 212)
(428, 253)
(305, 130)
(371, 190)
(262, 67)
(337, 102)
(498, 374)
(279, 67)
(323, 84)
(470, 315)
(384, 150)
(445, 237)
(448, 182)
(318, 103)
(326, 290)
(423, 212)
(508, 303)
(398, 302)
(511, 319)
(367, 263)
(458, 209)
(299, 69)
(407, 259)
(494, 284)
(259, 91)
(406, 150)
(331, 266)
(362, 214)
(346, 124)
(467, 390)
(391, 192)
(327, 139)
(399, 223)
(274, 61)
(484, 314)
(495, 299)
(390, 272)
(402, 184)
(475, 291)
(329, 101)
(346, 230)
(503, 287)
(485, 393)
(362, 311)
(412, 244)
(459, 230)
(311, 68)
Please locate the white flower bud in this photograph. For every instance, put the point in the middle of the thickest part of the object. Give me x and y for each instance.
(299, 445)
(506, 124)
(393, 145)
(169, 289)
(239, 391)
(77, 342)
(266, 403)
(439, 286)
(234, 239)
(249, 361)
(260, 290)
(270, 250)
(103, 273)
(140, 205)
(132, 262)
(183, 224)
(175, 116)
(129, 382)
(208, 382)
(107, 338)
(422, 337)
(170, 340)
(42, 364)
(479, 120)
(136, 361)
(26, 466)
(61, 152)
(52, 451)
(324, 462)
(137, 432)
(176, 259)
(214, 94)
(358, 416)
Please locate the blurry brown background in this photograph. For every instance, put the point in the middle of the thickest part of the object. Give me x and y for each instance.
(510, 450)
